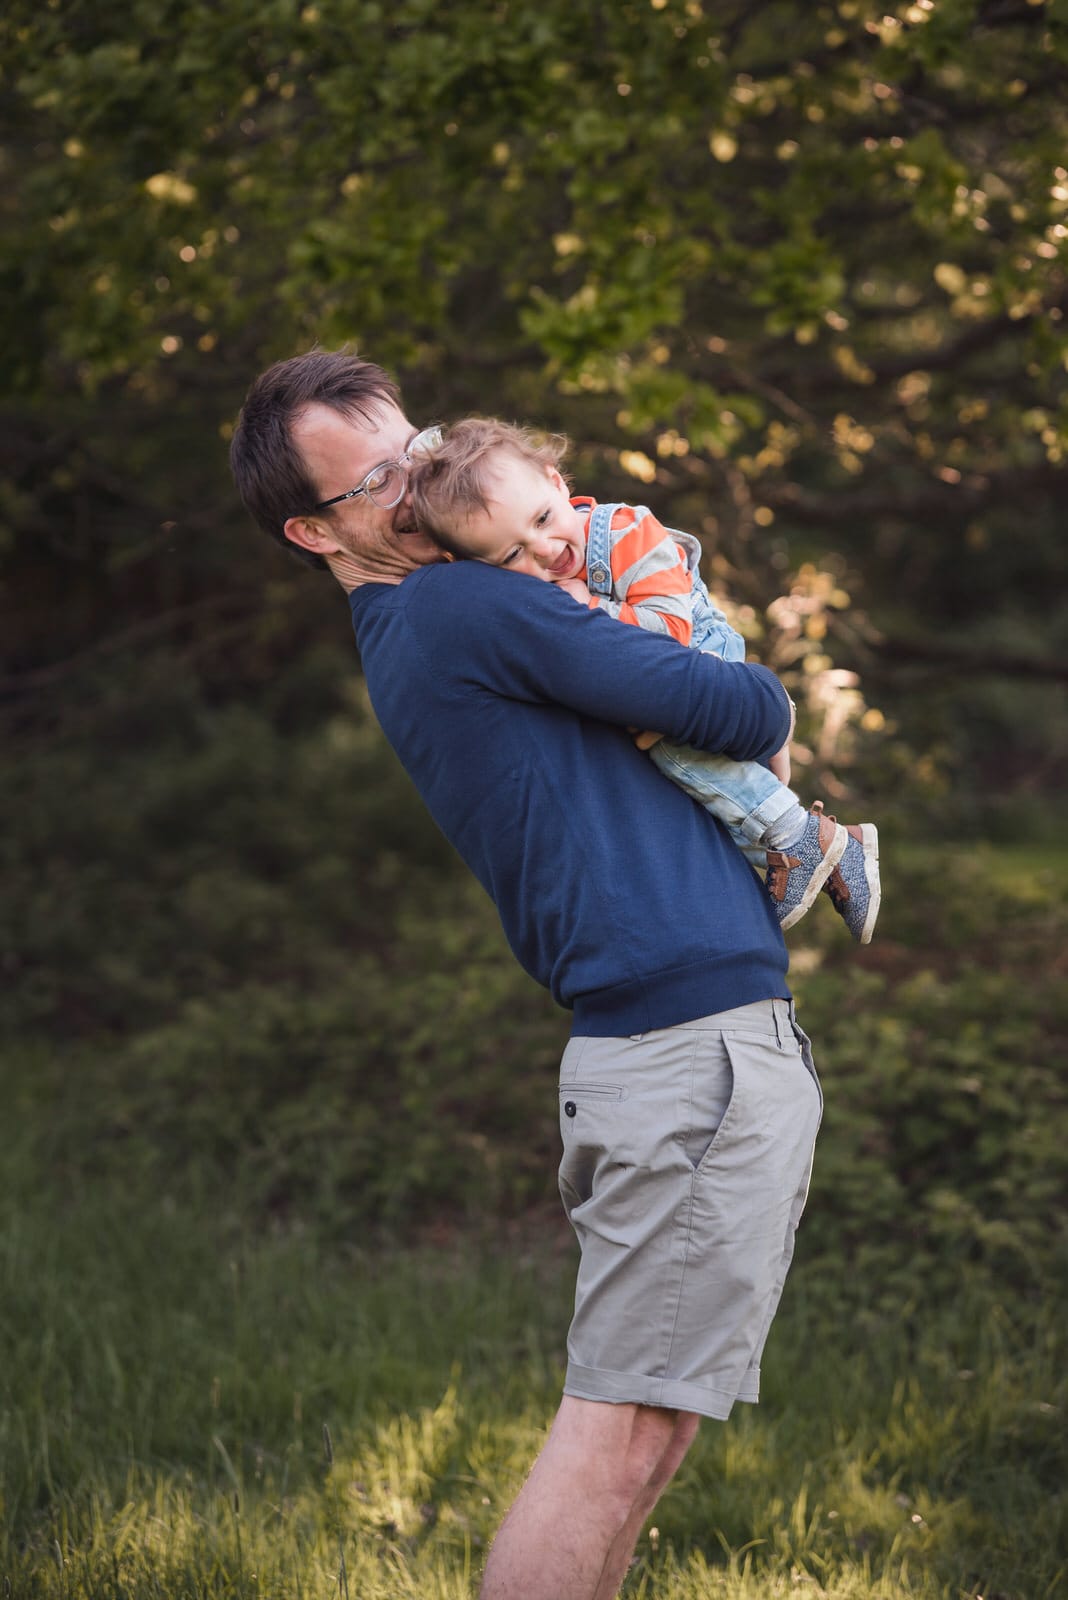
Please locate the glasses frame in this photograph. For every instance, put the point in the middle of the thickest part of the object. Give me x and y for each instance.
(431, 436)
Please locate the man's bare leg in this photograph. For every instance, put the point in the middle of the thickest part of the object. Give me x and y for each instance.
(619, 1556)
(574, 1524)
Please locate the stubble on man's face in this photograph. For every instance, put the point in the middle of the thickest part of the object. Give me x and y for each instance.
(339, 452)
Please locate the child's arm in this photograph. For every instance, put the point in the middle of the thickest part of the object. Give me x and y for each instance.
(779, 764)
(650, 579)
(576, 589)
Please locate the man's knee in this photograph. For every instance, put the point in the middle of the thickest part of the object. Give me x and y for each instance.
(682, 1437)
(648, 1449)
(628, 1449)
(658, 1451)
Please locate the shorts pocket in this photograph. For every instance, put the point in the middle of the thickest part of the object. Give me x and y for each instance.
(713, 1087)
(804, 1044)
(590, 1115)
(592, 1091)
(594, 1136)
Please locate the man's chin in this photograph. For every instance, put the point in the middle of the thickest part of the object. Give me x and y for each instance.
(412, 536)
(409, 530)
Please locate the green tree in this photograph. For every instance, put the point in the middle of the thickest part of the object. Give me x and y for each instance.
(798, 269)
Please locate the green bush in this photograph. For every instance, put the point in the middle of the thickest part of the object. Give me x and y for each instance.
(942, 1051)
(167, 848)
(247, 964)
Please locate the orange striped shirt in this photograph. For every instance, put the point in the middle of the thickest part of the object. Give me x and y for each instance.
(651, 584)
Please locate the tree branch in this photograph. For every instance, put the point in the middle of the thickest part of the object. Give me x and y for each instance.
(950, 355)
(971, 663)
(241, 606)
(936, 502)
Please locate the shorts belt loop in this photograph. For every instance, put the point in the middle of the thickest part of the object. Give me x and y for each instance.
(776, 1013)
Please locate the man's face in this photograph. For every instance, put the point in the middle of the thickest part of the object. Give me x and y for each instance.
(340, 452)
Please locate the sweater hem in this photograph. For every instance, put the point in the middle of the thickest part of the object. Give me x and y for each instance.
(666, 999)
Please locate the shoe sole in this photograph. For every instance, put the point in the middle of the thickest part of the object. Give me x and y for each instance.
(819, 877)
(869, 838)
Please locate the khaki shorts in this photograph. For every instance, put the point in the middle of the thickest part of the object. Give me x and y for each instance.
(687, 1154)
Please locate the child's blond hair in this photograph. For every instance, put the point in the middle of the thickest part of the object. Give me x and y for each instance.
(450, 483)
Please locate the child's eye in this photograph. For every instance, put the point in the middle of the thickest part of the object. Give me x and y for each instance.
(542, 518)
(511, 556)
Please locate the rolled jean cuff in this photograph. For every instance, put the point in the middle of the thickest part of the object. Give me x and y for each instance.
(767, 813)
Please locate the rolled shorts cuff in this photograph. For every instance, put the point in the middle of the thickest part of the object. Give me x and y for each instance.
(673, 1394)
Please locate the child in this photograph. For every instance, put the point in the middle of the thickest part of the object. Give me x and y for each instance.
(493, 492)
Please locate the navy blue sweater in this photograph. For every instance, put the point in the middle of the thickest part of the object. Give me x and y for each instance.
(508, 704)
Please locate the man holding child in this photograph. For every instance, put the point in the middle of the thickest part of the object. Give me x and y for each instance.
(688, 1100)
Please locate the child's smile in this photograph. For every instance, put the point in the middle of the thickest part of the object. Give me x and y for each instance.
(529, 526)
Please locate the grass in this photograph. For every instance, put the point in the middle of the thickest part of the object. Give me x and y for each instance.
(220, 1379)
(192, 1411)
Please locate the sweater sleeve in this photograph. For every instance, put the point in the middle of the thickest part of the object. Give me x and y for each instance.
(650, 579)
(511, 636)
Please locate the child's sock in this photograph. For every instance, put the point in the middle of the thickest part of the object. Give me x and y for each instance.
(786, 830)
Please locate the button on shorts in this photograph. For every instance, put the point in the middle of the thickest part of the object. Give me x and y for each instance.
(687, 1154)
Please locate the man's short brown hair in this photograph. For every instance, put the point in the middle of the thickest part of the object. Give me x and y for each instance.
(269, 470)
(451, 483)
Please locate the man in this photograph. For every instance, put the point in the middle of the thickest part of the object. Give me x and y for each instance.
(688, 1101)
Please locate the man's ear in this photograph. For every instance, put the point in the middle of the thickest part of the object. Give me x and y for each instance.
(310, 534)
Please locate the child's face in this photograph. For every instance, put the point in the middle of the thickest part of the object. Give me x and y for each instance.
(531, 525)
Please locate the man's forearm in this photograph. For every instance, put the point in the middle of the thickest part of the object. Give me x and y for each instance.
(752, 715)
(526, 640)
(639, 679)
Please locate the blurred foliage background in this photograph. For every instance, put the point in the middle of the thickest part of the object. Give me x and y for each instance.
(795, 274)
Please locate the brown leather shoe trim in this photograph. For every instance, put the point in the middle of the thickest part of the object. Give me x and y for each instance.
(780, 866)
(837, 888)
(828, 826)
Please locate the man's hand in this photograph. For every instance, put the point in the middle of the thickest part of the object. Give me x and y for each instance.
(576, 589)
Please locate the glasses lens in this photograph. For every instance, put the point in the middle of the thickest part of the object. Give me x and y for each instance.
(426, 441)
(385, 485)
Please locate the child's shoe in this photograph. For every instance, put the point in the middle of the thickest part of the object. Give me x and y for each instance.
(795, 877)
(854, 885)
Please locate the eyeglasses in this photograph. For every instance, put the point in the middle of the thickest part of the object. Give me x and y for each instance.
(385, 484)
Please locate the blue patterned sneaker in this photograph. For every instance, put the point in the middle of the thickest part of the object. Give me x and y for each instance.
(796, 876)
(854, 885)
